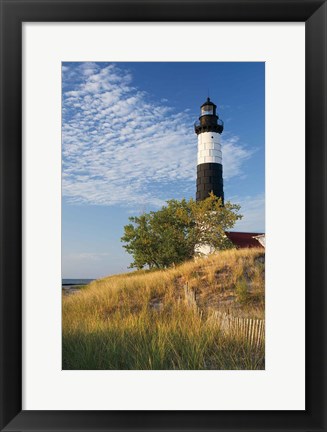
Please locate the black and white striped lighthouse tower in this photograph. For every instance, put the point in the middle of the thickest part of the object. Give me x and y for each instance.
(210, 168)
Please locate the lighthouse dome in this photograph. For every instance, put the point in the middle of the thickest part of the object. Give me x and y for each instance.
(208, 108)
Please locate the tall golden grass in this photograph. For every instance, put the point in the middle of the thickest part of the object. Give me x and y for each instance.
(148, 320)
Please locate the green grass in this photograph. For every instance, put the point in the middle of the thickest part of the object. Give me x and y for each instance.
(142, 320)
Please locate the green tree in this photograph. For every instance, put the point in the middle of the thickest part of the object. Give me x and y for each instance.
(171, 234)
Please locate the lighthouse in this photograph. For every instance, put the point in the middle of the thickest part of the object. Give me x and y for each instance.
(209, 167)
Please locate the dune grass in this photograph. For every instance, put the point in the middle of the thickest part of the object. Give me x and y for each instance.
(144, 320)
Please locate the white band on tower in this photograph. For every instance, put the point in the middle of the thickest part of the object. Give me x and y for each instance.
(209, 148)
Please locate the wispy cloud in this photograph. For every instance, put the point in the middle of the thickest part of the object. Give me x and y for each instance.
(87, 256)
(121, 147)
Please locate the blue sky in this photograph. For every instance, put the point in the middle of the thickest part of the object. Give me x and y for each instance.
(128, 145)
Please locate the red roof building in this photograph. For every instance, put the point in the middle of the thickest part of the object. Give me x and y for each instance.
(246, 240)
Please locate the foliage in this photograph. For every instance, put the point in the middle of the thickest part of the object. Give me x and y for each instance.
(171, 234)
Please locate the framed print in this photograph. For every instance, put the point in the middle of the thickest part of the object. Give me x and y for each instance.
(137, 139)
(185, 140)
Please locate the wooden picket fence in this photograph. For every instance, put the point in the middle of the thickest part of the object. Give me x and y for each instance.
(252, 330)
(190, 297)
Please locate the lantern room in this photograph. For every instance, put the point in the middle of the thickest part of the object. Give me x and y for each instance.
(208, 108)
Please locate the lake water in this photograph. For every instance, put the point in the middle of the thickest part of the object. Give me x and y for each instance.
(71, 286)
(72, 282)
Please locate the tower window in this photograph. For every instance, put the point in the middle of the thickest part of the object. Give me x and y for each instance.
(207, 110)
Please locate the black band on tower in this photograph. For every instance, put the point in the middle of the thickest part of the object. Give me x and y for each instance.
(209, 179)
(209, 124)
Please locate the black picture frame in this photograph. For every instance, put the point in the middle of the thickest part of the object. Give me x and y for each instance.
(13, 14)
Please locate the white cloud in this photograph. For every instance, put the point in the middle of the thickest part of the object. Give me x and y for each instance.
(234, 156)
(87, 256)
(120, 148)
